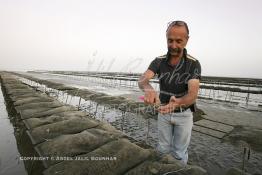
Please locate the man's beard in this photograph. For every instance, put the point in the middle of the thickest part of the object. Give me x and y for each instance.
(174, 52)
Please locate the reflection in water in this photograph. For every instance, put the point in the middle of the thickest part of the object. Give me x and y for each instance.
(10, 163)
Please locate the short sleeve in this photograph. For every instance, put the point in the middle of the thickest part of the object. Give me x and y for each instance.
(154, 65)
(195, 70)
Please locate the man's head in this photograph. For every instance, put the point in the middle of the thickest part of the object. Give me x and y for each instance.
(177, 35)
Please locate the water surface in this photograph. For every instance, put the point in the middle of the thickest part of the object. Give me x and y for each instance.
(10, 163)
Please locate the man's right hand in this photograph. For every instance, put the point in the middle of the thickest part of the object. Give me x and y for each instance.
(151, 97)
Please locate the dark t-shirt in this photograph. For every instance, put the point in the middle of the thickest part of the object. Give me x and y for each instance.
(173, 80)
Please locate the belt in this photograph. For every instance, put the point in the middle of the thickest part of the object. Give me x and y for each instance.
(180, 109)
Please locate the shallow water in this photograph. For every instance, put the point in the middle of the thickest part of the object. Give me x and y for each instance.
(9, 155)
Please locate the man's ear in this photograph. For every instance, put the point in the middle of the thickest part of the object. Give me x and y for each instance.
(187, 38)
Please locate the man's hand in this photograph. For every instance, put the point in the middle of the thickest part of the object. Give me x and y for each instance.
(173, 99)
(151, 97)
(170, 107)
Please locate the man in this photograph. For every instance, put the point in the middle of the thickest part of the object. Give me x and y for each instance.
(179, 75)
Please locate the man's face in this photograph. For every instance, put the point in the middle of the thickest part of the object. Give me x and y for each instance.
(177, 38)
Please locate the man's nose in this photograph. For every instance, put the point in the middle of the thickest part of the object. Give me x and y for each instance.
(173, 46)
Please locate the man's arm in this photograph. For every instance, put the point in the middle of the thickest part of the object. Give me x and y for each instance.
(143, 84)
(187, 100)
(191, 96)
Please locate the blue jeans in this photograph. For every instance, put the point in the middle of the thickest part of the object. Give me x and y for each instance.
(174, 133)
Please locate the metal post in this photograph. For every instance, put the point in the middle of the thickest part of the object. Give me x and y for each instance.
(79, 103)
(96, 109)
(148, 127)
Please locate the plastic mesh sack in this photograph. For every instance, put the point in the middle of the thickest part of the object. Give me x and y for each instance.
(124, 153)
(75, 144)
(35, 122)
(53, 130)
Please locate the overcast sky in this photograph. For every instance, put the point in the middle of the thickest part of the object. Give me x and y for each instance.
(126, 35)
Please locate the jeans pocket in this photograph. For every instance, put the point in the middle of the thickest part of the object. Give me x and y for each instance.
(187, 113)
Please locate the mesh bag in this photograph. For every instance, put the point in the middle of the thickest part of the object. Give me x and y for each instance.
(75, 144)
(124, 154)
(35, 122)
(53, 130)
